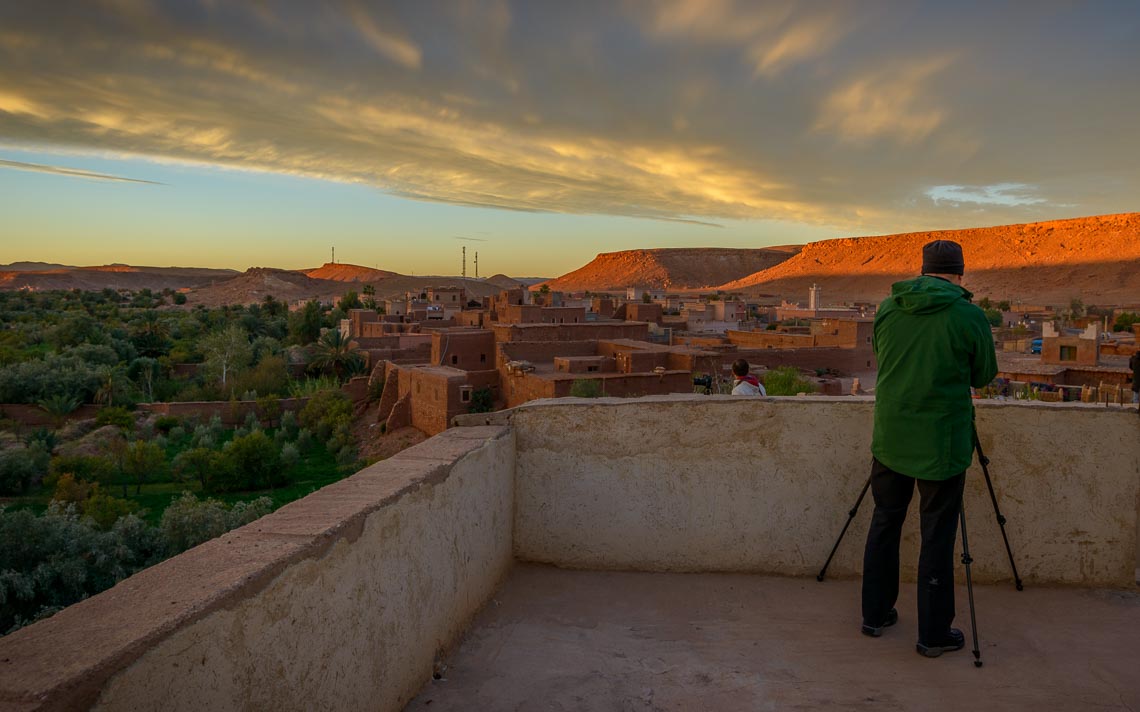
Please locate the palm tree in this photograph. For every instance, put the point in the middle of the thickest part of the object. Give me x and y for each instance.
(336, 352)
(59, 407)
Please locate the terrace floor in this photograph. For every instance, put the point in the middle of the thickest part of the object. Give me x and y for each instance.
(554, 639)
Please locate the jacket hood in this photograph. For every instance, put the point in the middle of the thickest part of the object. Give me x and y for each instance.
(926, 295)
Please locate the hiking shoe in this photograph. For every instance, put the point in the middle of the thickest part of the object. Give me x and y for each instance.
(954, 640)
(876, 631)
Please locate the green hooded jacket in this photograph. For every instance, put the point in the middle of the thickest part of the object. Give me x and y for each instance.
(932, 345)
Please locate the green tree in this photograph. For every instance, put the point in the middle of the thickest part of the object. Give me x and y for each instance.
(189, 521)
(482, 401)
(59, 407)
(227, 352)
(646, 298)
(993, 316)
(350, 300)
(196, 464)
(252, 462)
(984, 303)
(151, 334)
(305, 324)
(1004, 305)
(145, 372)
(143, 459)
(336, 353)
(1125, 320)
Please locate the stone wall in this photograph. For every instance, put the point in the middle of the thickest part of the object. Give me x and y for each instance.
(337, 601)
(695, 483)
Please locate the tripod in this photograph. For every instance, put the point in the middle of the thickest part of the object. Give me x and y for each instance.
(966, 558)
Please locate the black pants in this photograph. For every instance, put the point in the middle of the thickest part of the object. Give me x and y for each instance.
(940, 504)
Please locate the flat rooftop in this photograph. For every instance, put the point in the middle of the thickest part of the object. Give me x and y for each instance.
(555, 639)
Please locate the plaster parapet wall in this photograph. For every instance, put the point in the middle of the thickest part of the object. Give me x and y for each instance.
(337, 601)
(715, 483)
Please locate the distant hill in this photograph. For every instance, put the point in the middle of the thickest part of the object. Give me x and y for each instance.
(1094, 258)
(257, 282)
(32, 267)
(502, 281)
(340, 272)
(112, 277)
(670, 268)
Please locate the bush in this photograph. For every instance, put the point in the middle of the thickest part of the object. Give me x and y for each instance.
(117, 416)
(325, 406)
(289, 424)
(105, 510)
(304, 439)
(57, 559)
(69, 490)
(83, 467)
(786, 381)
(585, 388)
(249, 462)
(189, 521)
(290, 455)
(482, 401)
(19, 468)
(166, 423)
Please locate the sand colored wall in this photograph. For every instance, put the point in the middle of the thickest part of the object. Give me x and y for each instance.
(696, 483)
(337, 601)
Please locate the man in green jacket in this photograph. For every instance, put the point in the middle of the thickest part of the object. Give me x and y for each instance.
(932, 345)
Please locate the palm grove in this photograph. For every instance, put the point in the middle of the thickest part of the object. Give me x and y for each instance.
(86, 502)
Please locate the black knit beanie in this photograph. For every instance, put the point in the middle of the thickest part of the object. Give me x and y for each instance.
(942, 257)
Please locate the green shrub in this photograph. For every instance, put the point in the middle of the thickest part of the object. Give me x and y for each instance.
(189, 521)
(325, 406)
(20, 468)
(92, 468)
(166, 423)
(105, 510)
(249, 462)
(482, 401)
(117, 416)
(786, 381)
(585, 388)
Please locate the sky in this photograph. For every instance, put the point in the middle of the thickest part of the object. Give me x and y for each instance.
(540, 133)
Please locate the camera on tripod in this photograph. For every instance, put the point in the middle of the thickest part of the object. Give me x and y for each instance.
(704, 381)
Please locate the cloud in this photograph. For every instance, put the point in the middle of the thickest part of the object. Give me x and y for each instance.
(396, 48)
(673, 110)
(1003, 194)
(771, 37)
(889, 103)
(70, 172)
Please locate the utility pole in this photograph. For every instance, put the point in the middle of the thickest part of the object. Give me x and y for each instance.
(333, 256)
(477, 266)
(464, 262)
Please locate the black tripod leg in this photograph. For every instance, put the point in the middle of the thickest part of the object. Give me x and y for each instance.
(985, 461)
(850, 516)
(967, 560)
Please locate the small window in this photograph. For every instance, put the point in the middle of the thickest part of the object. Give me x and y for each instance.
(1068, 353)
(591, 368)
(454, 359)
(465, 395)
(482, 358)
(868, 339)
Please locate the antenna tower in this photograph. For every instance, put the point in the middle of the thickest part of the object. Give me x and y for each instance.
(464, 262)
(334, 255)
(477, 271)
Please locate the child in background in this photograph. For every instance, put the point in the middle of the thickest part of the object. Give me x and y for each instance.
(745, 384)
